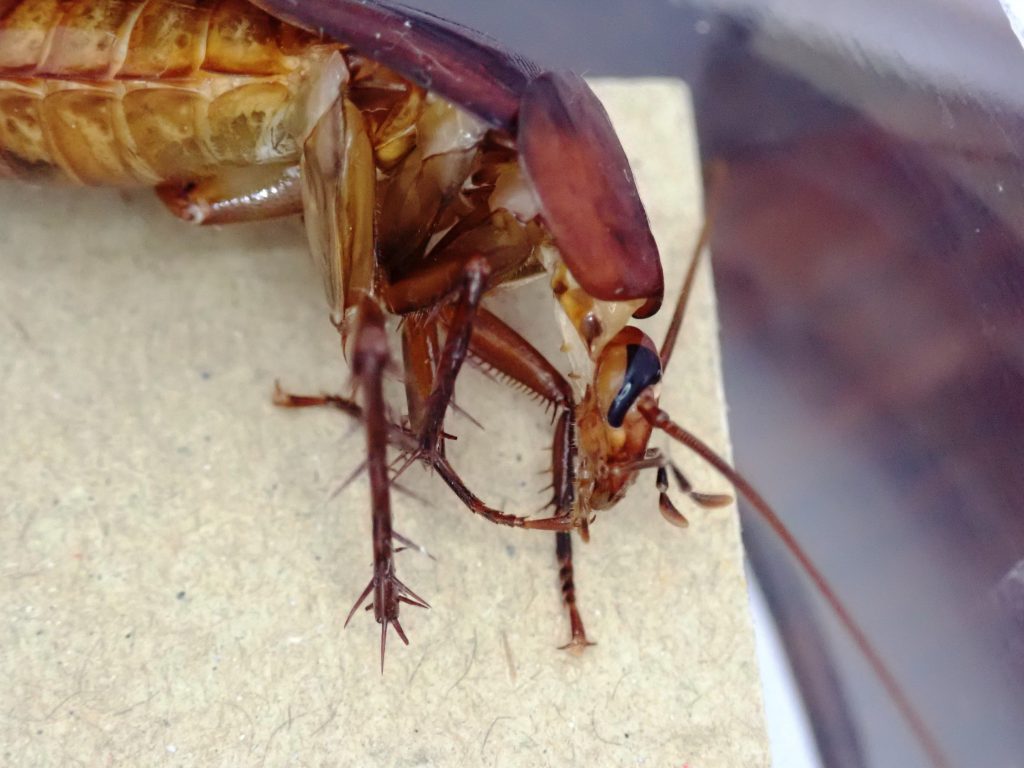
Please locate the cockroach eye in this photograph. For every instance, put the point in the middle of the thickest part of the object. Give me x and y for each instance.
(643, 368)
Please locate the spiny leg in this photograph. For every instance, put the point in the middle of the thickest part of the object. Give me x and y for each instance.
(477, 507)
(370, 358)
(456, 346)
(430, 383)
(501, 351)
(563, 465)
(421, 353)
(466, 326)
(563, 551)
(406, 441)
(421, 292)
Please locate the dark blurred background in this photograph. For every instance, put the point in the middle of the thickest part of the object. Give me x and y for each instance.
(869, 266)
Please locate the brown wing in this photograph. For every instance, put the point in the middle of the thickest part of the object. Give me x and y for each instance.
(464, 66)
(587, 193)
(570, 149)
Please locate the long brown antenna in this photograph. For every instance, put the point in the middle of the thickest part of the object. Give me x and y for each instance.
(715, 181)
(649, 407)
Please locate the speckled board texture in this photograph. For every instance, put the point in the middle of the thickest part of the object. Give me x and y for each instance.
(175, 566)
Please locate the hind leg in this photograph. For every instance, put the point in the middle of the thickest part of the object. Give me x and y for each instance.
(370, 358)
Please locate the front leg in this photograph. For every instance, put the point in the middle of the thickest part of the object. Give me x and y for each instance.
(563, 551)
(503, 351)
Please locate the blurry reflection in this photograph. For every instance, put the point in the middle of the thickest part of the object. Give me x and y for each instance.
(870, 265)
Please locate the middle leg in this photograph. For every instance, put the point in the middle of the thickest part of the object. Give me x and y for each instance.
(501, 350)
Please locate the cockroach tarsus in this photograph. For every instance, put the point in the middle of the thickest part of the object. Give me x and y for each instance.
(431, 167)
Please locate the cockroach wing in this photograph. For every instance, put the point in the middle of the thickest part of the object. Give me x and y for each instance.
(587, 193)
(338, 189)
(462, 65)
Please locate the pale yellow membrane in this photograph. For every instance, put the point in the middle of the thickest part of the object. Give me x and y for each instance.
(174, 573)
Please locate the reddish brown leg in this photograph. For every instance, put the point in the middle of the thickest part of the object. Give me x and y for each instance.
(502, 351)
(563, 464)
(398, 436)
(284, 399)
(563, 551)
(369, 361)
(475, 331)
(421, 353)
(427, 411)
(477, 507)
(453, 356)
(406, 441)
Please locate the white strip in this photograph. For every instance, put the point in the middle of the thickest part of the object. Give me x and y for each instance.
(1014, 10)
(789, 729)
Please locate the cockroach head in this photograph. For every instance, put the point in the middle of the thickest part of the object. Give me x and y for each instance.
(613, 433)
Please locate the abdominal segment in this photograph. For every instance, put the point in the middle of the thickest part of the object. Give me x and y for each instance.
(133, 92)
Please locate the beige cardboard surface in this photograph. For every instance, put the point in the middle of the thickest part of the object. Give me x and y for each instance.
(174, 573)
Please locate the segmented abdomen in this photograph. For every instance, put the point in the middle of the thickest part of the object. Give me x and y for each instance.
(130, 92)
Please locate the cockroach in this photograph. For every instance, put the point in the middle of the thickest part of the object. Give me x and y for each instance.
(431, 167)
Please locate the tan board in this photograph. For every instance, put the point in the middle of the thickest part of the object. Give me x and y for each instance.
(174, 574)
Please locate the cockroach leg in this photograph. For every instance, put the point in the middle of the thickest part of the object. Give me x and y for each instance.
(456, 346)
(284, 399)
(407, 442)
(399, 436)
(563, 551)
(476, 506)
(251, 193)
(500, 350)
(370, 358)
(421, 354)
(563, 464)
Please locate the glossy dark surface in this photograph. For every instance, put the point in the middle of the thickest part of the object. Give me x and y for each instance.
(563, 128)
(484, 78)
(871, 273)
